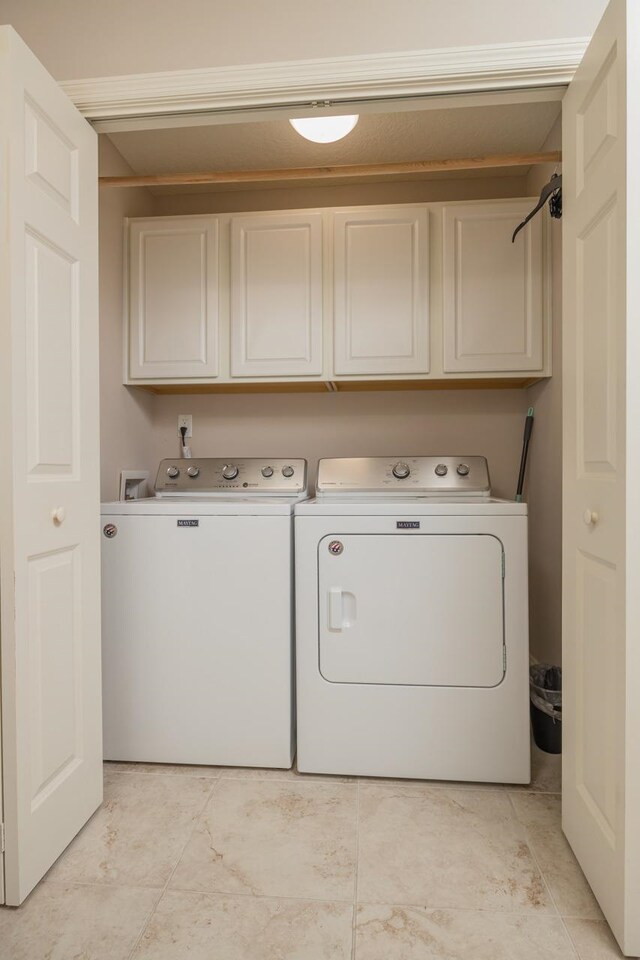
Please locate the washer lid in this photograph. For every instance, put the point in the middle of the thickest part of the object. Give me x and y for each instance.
(240, 506)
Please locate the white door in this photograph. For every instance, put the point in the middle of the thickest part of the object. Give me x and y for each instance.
(601, 563)
(381, 277)
(276, 295)
(49, 436)
(493, 290)
(389, 615)
(173, 298)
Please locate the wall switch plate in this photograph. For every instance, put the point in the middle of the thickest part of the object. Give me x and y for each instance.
(185, 420)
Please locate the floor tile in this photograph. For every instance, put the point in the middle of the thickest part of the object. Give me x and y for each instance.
(210, 927)
(417, 933)
(163, 769)
(62, 921)
(446, 849)
(569, 888)
(546, 772)
(593, 940)
(138, 833)
(274, 838)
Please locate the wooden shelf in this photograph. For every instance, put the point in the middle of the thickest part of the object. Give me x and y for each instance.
(340, 386)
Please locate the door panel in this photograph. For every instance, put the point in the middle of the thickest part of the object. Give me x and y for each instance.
(52, 335)
(174, 298)
(276, 295)
(49, 527)
(493, 293)
(381, 291)
(55, 653)
(413, 609)
(601, 508)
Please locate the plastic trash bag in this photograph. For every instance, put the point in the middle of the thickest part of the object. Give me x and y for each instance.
(545, 683)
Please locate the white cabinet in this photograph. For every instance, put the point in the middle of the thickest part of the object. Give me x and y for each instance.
(405, 292)
(493, 290)
(276, 295)
(173, 298)
(381, 293)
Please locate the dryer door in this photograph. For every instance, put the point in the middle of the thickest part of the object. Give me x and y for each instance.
(419, 609)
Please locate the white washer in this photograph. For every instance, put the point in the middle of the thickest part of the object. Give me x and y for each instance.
(412, 623)
(197, 625)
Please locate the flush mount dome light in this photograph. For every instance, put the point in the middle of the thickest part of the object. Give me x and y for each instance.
(324, 129)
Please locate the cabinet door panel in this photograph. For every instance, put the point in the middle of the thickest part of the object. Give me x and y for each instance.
(381, 291)
(174, 298)
(493, 291)
(276, 295)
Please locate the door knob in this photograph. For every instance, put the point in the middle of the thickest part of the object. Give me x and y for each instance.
(58, 514)
(590, 517)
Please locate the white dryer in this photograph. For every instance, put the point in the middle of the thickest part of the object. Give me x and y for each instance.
(412, 623)
(197, 615)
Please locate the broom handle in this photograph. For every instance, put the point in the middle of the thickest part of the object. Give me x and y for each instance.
(528, 427)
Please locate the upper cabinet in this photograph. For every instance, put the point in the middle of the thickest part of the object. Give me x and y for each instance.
(381, 291)
(408, 292)
(276, 295)
(173, 298)
(492, 289)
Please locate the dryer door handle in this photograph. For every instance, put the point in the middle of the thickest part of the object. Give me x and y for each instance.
(342, 609)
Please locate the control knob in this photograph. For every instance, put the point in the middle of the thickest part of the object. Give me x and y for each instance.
(442, 470)
(172, 472)
(267, 471)
(463, 469)
(229, 471)
(287, 471)
(401, 470)
(193, 471)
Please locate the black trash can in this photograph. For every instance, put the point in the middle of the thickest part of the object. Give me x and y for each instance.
(545, 683)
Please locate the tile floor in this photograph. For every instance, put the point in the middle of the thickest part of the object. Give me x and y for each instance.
(230, 864)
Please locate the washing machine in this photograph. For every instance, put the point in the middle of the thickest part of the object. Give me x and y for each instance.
(412, 622)
(197, 606)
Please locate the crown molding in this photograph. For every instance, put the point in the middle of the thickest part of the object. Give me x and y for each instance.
(293, 82)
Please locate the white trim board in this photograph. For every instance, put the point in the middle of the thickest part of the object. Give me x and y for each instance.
(305, 82)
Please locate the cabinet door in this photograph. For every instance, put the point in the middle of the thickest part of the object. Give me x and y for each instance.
(381, 291)
(493, 290)
(173, 299)
(276, 295)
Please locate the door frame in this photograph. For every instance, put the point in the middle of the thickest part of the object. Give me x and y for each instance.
(452, 76)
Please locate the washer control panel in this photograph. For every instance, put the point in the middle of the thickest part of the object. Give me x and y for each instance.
(244, 477)
(417, 476)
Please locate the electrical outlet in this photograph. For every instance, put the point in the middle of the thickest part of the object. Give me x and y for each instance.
(184, 420)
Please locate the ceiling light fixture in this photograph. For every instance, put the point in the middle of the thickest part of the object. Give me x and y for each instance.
(324, 129)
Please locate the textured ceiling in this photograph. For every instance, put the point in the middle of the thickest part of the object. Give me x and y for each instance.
(378, 138)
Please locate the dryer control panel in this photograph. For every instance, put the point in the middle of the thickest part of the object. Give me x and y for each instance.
(403, 475)
(208, 476)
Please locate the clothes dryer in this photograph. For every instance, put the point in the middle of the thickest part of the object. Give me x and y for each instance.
(412, 622)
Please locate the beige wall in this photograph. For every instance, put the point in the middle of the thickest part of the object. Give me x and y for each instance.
(92, 38)
(352, 424)
(544, 488)
(291, 198)
(126, 416)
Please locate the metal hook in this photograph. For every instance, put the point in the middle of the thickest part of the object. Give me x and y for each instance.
(552, 192)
